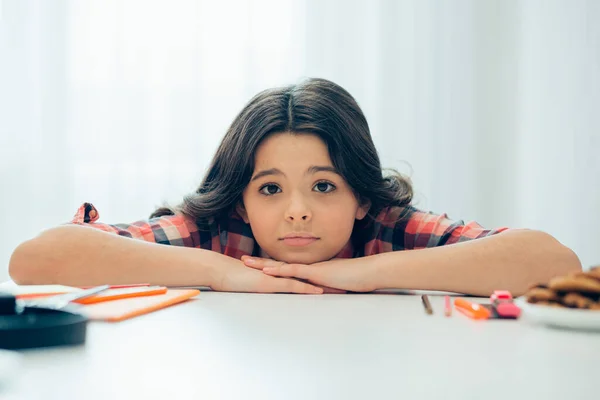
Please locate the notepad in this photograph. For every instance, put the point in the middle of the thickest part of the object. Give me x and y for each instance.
(112, 305)
(32, 291)
(27, 292)
(119, 310)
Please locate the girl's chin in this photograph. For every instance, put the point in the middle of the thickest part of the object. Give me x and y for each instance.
(301, 259)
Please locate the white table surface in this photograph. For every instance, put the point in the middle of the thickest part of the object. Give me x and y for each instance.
(253, 346)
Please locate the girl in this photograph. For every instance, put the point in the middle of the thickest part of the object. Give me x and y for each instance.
(295, 201)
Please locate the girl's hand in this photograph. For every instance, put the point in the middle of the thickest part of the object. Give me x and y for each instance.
(340, 275)
(236, 277)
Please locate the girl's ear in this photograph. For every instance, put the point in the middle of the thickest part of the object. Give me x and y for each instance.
(362, 210)
(241, 210)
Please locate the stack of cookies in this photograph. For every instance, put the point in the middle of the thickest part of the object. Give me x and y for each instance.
(576, 290)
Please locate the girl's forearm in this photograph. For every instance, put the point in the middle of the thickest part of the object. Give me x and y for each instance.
(512, 260)
(82, 256)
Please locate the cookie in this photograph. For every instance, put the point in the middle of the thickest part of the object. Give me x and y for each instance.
(576, 300)
(537, 294)
(595, 297)
(575, 283)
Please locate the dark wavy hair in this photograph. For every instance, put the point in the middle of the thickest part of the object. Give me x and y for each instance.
(314, 106)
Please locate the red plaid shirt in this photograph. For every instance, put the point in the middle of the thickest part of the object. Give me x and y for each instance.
(394, 229)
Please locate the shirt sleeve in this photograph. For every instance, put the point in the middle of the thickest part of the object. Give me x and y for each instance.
(175, 230)
(407, 228)
(425, 229)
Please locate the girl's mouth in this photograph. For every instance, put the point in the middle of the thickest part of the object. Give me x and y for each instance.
(299, 241)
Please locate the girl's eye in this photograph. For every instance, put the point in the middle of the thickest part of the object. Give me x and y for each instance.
(324, 187)
(321, 187)
(269, 189)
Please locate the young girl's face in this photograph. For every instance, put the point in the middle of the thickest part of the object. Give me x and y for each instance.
(299, 208)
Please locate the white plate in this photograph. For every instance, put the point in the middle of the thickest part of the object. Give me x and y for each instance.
(560, 317)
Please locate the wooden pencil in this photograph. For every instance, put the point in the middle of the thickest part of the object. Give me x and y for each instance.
(427, 304)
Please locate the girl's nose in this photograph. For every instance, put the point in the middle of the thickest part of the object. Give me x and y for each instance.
(291, 217)
(298, 211)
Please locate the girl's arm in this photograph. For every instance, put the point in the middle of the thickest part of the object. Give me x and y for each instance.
(466, 258)
(86, 252)
(83, 256)
(512, 260)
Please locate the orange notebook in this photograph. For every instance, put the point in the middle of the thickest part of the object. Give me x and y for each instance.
(123, 293)
(125, 308)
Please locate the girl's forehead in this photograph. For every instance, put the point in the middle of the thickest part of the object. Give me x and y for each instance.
(288, 148)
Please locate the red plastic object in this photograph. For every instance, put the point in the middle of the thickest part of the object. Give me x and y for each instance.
(502, 302)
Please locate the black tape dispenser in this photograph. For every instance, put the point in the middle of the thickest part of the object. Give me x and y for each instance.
(47, 322)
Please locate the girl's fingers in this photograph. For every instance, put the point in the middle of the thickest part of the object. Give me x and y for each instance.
(326, 289)
(299, 271)
(294, 286)
(291, 271)
(330, 290)
(260, 263)
(282, 270)
(253, 265)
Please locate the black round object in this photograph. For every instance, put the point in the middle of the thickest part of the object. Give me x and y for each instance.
(8, 303)
(41, 327)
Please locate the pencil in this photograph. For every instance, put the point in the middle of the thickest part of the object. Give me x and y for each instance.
(427, 304)
(447, 306)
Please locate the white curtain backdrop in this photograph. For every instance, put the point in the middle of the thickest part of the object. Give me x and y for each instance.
(493, 107)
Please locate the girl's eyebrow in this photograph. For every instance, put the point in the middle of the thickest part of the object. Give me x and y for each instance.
(311, 170)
